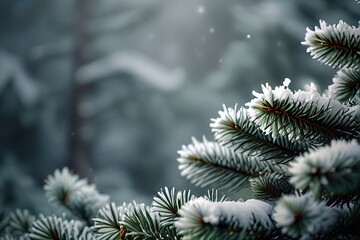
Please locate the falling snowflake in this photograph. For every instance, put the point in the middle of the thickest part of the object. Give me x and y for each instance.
(201, 9)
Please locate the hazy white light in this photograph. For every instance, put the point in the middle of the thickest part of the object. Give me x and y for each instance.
(201, 9)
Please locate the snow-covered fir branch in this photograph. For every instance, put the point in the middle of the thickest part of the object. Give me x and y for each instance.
(298, 152)
(235, 129)
(208, 164)
(346, 86)
(76, 195)
(302, 115)
(334, 45)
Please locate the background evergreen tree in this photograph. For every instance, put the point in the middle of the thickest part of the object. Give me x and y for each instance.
(298, 151)
(220, 50)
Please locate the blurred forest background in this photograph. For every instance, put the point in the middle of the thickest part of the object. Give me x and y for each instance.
(113, 88)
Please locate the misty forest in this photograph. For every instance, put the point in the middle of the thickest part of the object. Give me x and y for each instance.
(191, 119)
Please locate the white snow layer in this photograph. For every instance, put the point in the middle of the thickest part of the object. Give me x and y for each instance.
(135, 64)
(283, 93)
(327, 156)
(327, 30)
(212, 212)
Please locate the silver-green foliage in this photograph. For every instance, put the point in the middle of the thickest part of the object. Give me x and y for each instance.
(334, 45)
(298, 151)
(167, 204)
(308, 144)
(107, 224)
(302, 116)
(235, 130)
(53, 228)
(76, 195)
(4, 219)
(16, 225)
(65, 189)
(346, 86)
(20, 222)
(209, 164)
(204, 219)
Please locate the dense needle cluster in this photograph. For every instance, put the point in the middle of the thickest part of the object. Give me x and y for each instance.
(298, 152)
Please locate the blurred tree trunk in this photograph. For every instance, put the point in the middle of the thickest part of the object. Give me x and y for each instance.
(79, 158)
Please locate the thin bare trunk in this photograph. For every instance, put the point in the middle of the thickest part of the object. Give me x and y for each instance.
(79, 158)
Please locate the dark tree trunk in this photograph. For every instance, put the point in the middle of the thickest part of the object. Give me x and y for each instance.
(79, 159)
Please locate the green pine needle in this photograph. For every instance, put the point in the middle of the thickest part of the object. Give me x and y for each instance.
(74, 194)
(334, 169)
(54, 228)
(334, 45)
(300, 217)
(346, 86)
(209, 164)
(203, 219)
(270, 186)
(107, 224)
(167, 204)
(20, 222)
(235, 130)
(141, 223)
(213, 196)
(302, 116)
(4, 221)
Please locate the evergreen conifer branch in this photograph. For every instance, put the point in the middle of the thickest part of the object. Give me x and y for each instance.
(107, 224)
(86, 203)
(304, 116)
(74, 194)
(87, 234)
(60, 186)
(333, 200)
(16, 225)
(348, 220)
(213, 196)
(167, 204)
(299, 151)
(54, 228)
(203, 219)
(334, 169)
(235, 130)
(208, 164)
(346, 86)
(141, 223)
(270, 186)
(4, 221)
(301, 216)
(10, 237)
(20, 223)
(334, 45)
